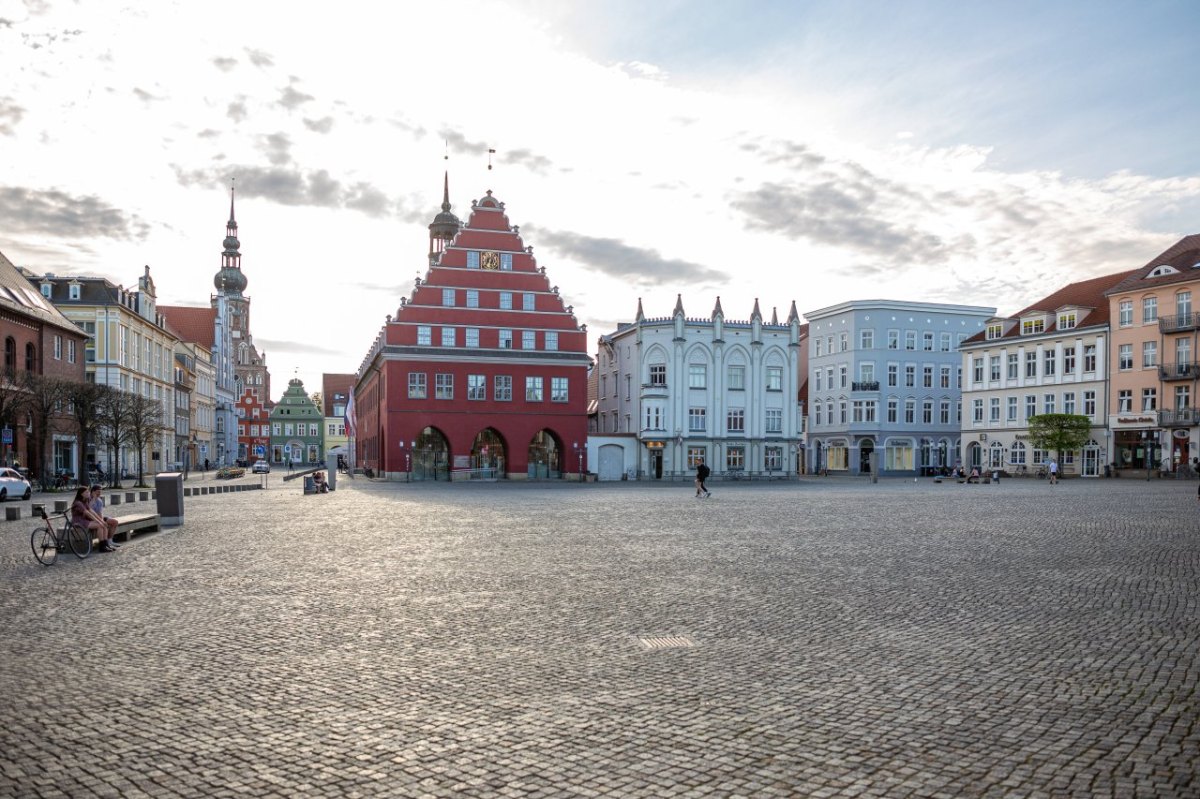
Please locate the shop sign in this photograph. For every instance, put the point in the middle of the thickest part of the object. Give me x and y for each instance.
(1136, 419)
(1181, 434)
(655, 444)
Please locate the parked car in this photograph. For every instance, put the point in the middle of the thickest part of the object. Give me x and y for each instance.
(12, 484)
(261, 467)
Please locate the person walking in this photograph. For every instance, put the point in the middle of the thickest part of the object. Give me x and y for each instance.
(1053, 472)
(702, 473)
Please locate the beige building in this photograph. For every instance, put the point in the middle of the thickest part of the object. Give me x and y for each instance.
(1156, 361)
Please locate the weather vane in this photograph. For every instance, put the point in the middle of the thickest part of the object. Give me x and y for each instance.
(491, 152)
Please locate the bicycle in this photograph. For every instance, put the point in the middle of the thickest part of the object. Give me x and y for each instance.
(47, 542)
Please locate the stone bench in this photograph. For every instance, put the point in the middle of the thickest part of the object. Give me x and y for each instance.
(12, 514)
(140, 523)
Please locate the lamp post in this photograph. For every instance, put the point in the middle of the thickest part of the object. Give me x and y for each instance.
(1148, 442)
(408, 460)
(579, 453)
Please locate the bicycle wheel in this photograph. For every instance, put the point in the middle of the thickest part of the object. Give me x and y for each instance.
(45, 545)
(80, 539)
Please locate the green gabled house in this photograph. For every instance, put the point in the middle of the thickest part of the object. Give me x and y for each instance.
(297, 428)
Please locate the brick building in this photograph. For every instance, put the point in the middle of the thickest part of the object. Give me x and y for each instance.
(483, 371)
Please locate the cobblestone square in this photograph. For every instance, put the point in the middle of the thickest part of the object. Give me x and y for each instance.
(828, 638)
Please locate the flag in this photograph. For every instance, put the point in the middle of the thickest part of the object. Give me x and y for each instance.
(351, 424)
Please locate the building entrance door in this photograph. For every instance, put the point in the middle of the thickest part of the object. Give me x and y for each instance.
(656, 461)
(1091, 462)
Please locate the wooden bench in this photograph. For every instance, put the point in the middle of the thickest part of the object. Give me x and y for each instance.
(140, 523)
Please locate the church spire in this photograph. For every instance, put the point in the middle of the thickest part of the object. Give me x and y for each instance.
(229, 279)
(445, 225)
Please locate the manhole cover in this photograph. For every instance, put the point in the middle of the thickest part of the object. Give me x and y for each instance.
(665, 641)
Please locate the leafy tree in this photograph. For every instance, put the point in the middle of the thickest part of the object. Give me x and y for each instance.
(1060, 432)
(113, 427)
(144, 419)
(86, 399)
(48, 399)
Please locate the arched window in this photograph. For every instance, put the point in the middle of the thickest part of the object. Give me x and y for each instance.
(996, 459)
(30, 357)
(10, 356)
(1016, 455)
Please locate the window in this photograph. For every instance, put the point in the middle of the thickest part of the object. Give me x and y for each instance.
(893, 410)
(472, 260)
(528, 340)
(695, 456)
(994, 409)
(774, 378)
(944, 412)
(1089, 403)
(73, 291)
(977, 410)
(1031, 326)
(977, 370)
(443, 386)
(1125, 313)
(1183, 304)
(506, 261)
(1014, 366)
(927, 412)
(424, 335)
(893, 375)
(1069, 402)
(1012, 409)
(927, 341)
(735, 459)
(477, 387)
(1149, 353)
(1017, 454)
(910, 375)
(866, 339)
(842, 411)
(287, 429)
(1066, 320)
(46, 289)
(773, 458)
(472, 336)
(842, 375)
(448, 298)
(1030, 364)
(818, 418)
(1048, 403)
(314, 429)
(697, 375)
(502, 388)
(945, 342)
(528, 302)
(658, 374)
(844, 342)
(472, 298)
(551, 340)
(1149, 310)
(910, 410)
(57, 347)
(856, 411)
(737, 378)
(866, 372)
(774, 420)
(994, 368)
(506, 301)
(735, 420)
(995, 331)
(1183, 396)
(1049, 363)
(448, 337)
(1089, 358)
(533, 389)
(1125, 357)
(817, 347)
(910, 339)
(416, 385)
(1030, 406)
(558, 389)
(1068, 360)
(505, 339)
(1183, 355)
(1125, 400)
(893, 339)
(696, 418)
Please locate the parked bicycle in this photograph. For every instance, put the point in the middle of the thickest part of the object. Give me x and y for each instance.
(47, 541)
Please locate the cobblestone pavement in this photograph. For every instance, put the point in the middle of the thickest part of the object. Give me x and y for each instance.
(848, 639)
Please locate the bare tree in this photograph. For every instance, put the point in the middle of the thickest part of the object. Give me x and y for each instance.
(86, 400)
(48, 400)
(145, 421)
(113, 427)
(14, 400)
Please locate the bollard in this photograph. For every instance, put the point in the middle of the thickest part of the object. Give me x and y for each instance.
(168, 488)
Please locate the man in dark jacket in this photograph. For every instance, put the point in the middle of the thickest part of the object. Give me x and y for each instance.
(702, 473)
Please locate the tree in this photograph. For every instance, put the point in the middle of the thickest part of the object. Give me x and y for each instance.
(144, 420)
(1061, 432)
(48, 398)
(113, 427)
(14, 400)
(85, 400)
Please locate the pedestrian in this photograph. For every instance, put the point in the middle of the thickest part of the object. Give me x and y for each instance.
(206, 464)
(702, 473)
(97, 506)
(1053, 472)
(83, 515)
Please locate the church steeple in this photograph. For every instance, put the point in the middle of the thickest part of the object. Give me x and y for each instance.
(444, 227)
(230, 279)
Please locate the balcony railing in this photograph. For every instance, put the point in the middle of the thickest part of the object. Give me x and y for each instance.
(1179, 371)
(1175, 323)
(1179, 417)
(865, 385)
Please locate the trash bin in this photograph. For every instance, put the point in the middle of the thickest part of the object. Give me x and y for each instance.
(168, 492)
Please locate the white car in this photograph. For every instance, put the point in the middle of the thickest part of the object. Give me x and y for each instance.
(13, 485)
(261, 467)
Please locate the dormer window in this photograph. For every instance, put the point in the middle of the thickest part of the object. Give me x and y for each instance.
(1031, 326)
(1163, 269)
(1066, 321)
(995, 331)
(73, 291)
(47, 289)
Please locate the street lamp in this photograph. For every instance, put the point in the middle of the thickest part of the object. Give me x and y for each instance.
(579, 452)
(1148, 437)
(408, 460)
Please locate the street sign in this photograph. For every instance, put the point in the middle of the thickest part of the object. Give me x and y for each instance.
(6, 436)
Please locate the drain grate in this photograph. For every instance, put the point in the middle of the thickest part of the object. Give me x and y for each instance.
(665, 641)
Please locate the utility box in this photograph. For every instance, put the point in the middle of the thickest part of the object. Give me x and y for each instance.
(168, 488)
(310, 485)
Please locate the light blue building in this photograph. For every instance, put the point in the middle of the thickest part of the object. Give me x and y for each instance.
(885, 378)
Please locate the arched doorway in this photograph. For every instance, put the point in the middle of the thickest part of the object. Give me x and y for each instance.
(865, 448)
(545, 456)
(488, 454)
(974, 455)
(431, 456)
(1091, 459)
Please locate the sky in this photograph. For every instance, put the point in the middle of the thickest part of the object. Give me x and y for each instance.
(967, 152)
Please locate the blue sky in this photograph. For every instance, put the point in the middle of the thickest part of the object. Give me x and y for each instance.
(977, 153)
